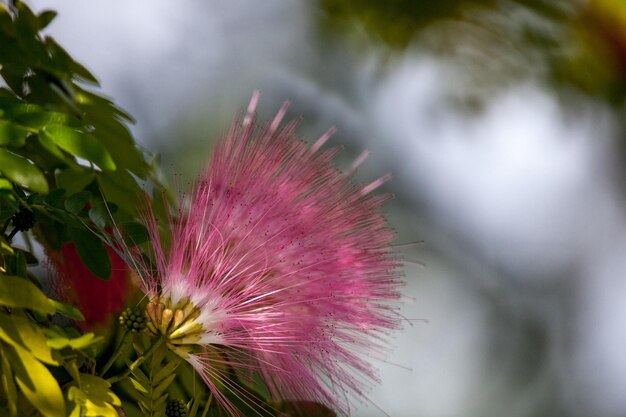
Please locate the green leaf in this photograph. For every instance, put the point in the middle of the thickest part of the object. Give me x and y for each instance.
(29, 258)
(20, 264)
(67, 310)
(18, 331)
(40, 119)
(77, 202)
(98, 389)
(37, 383)
(12, 134)
(45, 18)
(80, 144)
(140, 376)
(14, 107)
(8, 383)
(62, 216)
(138, 386)
(99, 214)
(164, 385)
(82, 342)
(62, 58)
(55, 198)
(5, 248)
(166, 370)
(134, 233)
(92, 252)
(55, 150)
(5, 185)
(22, 172)
(121, 188)
(74, 180)
(21, 293)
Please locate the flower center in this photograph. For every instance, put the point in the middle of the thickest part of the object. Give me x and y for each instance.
(177, 323)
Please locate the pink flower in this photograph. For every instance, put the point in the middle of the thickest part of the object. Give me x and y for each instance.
(280, 266)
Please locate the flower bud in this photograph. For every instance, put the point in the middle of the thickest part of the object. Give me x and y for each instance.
(176, 408)
(133, 320)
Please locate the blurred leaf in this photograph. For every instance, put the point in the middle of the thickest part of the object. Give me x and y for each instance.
(77, 202)
(8, 383)
(55, 198)
(121, 188)
(134, 233)
(18, 331)
(20, 264)
(45, 18)
(74, 180)
(29, 258)
(162, 386)
(5, 248)
(92, 252)
(5, 185)
(54, 150)
(395, 22)
(94, 397)
(64, 217)
(11, 134)
(21, 293)
(37, 383)
(40, 119)
(80, 144)
(99, 214)
(166, 370)
(67, 310)
(110, 130)
(76, 68)
(22, 172)
(82, 342)
(14, 107)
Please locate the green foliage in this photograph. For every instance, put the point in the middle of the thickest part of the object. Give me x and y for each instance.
(562, 43)
(59, 138)
(29, 347)
(93, 397)
(36, 382)
(68, 174)
(152, 383)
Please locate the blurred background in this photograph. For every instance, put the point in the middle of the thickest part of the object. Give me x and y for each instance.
(503, 124)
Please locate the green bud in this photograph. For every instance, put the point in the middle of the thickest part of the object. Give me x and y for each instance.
(176, 408)
(133, 320)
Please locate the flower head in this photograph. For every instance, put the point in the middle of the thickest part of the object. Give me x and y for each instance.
(281, 266)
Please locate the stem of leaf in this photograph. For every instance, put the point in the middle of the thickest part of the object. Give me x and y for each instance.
(137, 363)
(116, 354)
(207, 405)
(12, 234)
(28, 242)
(5, 226)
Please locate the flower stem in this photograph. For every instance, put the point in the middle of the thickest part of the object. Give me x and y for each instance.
(137, 363)
(116, 354)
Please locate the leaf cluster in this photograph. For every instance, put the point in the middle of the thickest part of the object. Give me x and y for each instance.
(69, 174)
(38, 357)
(66, 153)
